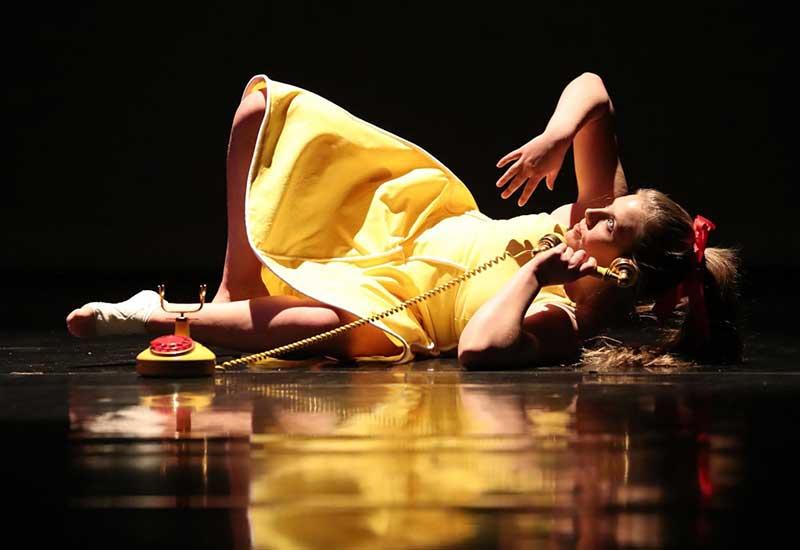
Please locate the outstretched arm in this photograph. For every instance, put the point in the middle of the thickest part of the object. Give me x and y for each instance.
(583, 118)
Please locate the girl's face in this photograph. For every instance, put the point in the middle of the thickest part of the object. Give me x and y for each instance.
(610, 232)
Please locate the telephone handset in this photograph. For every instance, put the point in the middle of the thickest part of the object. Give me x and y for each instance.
(199, 361)
(177, 355)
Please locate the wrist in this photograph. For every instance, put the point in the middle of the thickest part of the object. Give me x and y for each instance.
(560, 133)
(533, 275)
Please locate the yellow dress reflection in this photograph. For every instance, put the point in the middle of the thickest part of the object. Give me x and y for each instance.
(406, 471)
(409, 459)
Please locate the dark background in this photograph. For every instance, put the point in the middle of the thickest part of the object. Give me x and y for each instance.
(119, 114)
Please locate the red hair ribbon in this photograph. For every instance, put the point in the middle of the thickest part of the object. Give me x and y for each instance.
(692, 286)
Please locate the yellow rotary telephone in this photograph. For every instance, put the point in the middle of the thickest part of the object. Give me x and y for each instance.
(179, 355)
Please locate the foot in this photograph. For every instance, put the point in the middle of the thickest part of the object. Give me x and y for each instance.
(106, 319)
(80, 322)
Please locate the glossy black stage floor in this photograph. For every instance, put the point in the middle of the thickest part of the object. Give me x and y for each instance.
(425, 455)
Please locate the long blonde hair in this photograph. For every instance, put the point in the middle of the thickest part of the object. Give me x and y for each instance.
(664, 253)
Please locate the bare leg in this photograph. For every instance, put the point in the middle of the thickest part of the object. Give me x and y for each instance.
(241, 274)
(262, 323)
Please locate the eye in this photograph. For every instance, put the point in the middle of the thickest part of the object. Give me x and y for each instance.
(610, 223)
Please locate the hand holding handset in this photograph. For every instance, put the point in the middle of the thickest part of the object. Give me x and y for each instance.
(177, 355)
(623, 271)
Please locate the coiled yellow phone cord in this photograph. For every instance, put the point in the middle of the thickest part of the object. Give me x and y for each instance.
(548, 241)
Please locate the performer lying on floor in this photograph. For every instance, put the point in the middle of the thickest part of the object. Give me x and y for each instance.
(331, 218)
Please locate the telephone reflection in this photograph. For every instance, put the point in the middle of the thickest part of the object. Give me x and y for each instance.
(178, 355)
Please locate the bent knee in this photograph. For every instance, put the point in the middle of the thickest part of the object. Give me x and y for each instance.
(252, 107)
(325, 318)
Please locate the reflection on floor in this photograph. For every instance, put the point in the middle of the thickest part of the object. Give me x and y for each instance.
(424, 455)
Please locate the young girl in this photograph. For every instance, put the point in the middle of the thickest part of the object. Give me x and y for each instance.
(331, 219)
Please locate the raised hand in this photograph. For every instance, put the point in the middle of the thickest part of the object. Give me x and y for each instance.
(540, 158)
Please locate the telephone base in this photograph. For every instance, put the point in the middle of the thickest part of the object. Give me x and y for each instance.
(200, 362)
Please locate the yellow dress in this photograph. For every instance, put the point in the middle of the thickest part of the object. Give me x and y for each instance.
(343, 212)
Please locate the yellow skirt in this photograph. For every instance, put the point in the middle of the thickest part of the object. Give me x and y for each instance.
(343, 212)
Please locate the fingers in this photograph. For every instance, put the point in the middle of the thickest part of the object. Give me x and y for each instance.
(589, 266)
(562, 264)
(519, 177)
(513, 155)
(546, 256)
(561, 250)
(531, 182)
(528, 191)
(551, 180)
(514, 185)
(510, 173)
(566, 253)
(576, 258)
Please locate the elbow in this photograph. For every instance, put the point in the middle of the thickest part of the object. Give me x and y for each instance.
(474, 355)
(595, 86)
(491, 356)
(594, 82)
(472, 359)
(592, 77)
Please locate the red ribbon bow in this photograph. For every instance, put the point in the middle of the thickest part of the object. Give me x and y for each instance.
(702, 226)
(692, 286)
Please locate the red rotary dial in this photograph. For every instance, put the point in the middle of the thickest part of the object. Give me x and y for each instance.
(172, 345)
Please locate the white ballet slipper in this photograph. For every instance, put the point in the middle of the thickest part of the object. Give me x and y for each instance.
(128, 317)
